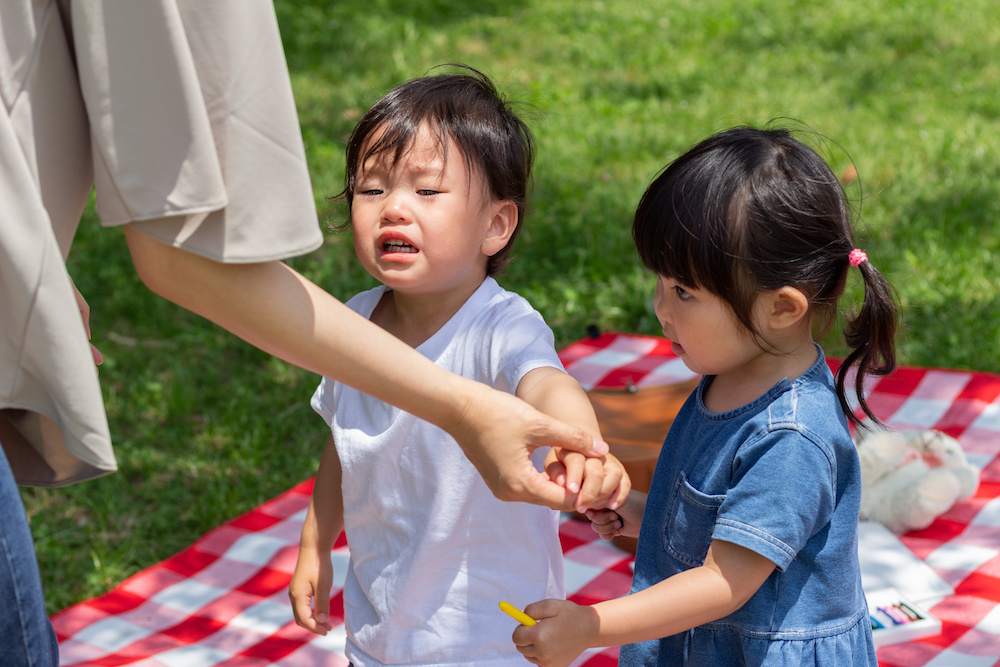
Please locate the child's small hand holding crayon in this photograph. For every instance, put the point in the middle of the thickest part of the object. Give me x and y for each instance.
(564, 630)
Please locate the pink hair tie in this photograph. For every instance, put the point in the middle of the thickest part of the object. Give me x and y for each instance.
(857, 257)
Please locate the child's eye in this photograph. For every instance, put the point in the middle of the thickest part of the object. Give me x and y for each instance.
(682, 293)
(427, 193)
(370, 192)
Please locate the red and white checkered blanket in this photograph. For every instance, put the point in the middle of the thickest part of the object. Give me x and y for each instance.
(223, 601)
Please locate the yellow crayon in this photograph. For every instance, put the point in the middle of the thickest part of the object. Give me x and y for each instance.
(517, 614)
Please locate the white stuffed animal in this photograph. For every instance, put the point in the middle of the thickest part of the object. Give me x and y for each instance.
(909, 478)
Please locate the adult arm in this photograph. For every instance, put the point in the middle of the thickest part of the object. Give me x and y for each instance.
(276, 309)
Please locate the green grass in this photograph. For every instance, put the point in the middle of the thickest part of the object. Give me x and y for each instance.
(206, 427)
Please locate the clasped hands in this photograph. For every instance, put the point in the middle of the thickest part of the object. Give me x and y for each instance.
(590, 483)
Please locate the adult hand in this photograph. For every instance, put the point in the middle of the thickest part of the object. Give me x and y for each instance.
(84, 307)
(499, 433)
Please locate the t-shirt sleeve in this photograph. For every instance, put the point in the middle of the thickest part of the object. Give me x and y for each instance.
(521, 342)
(782, 492)
(322, 400)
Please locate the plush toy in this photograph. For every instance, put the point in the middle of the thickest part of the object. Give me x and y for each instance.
(909, 478)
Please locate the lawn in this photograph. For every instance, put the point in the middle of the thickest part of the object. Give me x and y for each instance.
(904, 92)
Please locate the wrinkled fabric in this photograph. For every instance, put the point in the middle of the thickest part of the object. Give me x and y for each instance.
(180, 114)
(432, 550)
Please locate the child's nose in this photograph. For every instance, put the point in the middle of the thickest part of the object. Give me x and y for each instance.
(395, 208)
(660, 303)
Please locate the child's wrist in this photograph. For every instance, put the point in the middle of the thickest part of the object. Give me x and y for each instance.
(592, 626)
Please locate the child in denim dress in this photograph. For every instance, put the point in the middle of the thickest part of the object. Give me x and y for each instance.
(748, 542)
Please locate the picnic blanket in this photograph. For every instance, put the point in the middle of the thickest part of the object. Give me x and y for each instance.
(222, 602)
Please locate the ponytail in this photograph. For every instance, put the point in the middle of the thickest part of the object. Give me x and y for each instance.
(871, 337)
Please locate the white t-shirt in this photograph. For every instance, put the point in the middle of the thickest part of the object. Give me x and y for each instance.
(432, 550)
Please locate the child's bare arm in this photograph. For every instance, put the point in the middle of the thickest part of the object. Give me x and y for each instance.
(601, 482)
(730, 575)
(309, 589)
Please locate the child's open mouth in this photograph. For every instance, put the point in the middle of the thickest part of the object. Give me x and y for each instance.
(397, 245)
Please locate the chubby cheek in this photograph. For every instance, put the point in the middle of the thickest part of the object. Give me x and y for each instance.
(361, 244)
(364, 227)
(364, 249)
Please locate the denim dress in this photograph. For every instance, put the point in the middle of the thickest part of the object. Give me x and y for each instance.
(779, 476)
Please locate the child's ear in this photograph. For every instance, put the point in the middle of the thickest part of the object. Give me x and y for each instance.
(501, 227)
(786, 307)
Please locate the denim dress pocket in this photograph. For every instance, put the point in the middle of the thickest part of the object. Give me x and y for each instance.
(690, 520)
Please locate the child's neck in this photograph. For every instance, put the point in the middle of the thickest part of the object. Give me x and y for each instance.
(415, 318)
(753, 380)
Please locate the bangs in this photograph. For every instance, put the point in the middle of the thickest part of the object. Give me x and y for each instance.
(390, 127)
(683, 229)
(396, 139)
(391, 140)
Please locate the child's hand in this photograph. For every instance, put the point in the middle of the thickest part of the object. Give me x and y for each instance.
(563, 631)
(615, 484)
(565, 469)
(625, 520)
(606, 523)
(310, 591)
(597, 482)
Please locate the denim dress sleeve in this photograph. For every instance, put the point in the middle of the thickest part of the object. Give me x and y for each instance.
(783, 491)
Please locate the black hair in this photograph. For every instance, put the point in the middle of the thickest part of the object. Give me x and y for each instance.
(465, 108)
(751, 210)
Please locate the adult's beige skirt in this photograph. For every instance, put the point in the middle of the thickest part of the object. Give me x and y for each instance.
(179, 113)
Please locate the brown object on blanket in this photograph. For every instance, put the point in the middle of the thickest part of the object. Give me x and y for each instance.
(634, 421)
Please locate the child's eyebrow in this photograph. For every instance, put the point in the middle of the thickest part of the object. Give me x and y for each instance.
(430, 169)
(434, 167)
(428, 176)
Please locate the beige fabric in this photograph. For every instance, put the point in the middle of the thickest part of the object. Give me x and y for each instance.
(181, 113)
